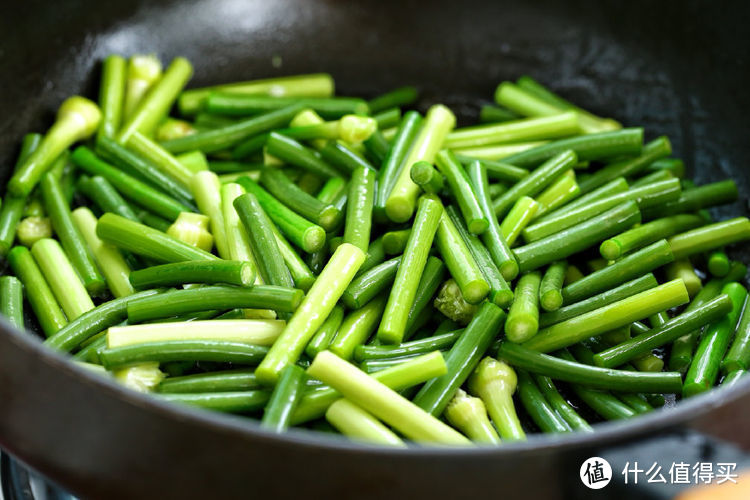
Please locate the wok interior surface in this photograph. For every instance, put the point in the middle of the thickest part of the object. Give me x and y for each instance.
(676, 68)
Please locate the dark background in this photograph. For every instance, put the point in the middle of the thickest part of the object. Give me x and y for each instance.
(677, 68)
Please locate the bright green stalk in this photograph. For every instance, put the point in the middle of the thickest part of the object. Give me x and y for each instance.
(642, 344)
(62, 278)
(312, 85)
(11, 300)
(236, 235)
(499, 152)
(560, 192)
(263, 332)
(462, 358)
(32, 229)
(143, 240)
(143, 71)
(460, 261)
(528, 129)
(77, 119)
(75, 248)
(206, 189)
(704, 370)
(271, 263)
(401, 376)
(535, 182)
(326, 333)
(111, 95)
(604, 319)
(710, 237)
(684, 270)
(284, 399)
(523, 211)
(160, 158)
(644, 234)
(587, 375)
(356, 328)
(497, 245)
(627, 268)
(43, 302)
(360, 425)
(523, 316)
(550, 289)
(192, 228)
(359, 208)
(393, 326)
(155, 105)
(109, 259)
(469, 415)
(403, 197)
(738, 356)
(312, 312)
(458, 181)
(495, 382)
(382, 402)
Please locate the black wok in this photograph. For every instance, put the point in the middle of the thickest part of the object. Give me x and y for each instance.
(678, 68)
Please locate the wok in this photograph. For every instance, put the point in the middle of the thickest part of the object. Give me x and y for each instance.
(677, 68)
